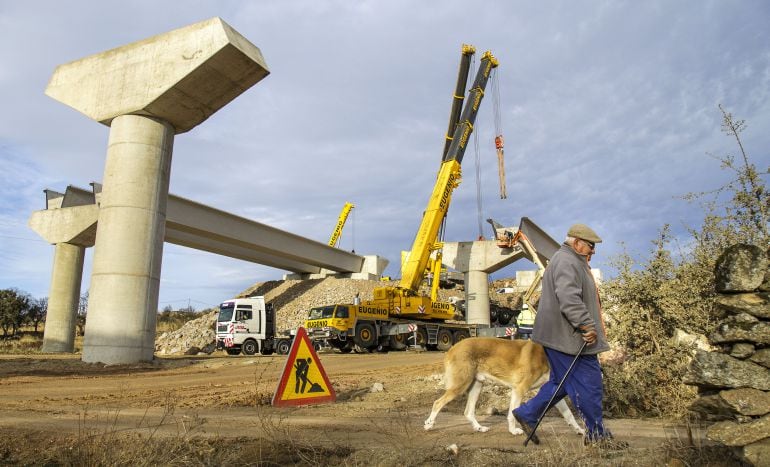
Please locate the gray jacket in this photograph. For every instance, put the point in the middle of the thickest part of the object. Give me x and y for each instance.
(569, 299)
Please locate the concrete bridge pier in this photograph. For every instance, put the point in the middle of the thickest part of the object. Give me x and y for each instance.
(147, 92)
(477, 297)
(476, 260)
(125, 279)
(63, 298)
(68, 223)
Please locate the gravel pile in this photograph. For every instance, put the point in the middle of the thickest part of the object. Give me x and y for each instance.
(194, 337)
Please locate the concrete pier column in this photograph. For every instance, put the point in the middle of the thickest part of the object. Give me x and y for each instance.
(477, 297)
(125, 278)
(63, 298)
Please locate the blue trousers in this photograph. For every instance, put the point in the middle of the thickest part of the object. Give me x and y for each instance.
(583, 386)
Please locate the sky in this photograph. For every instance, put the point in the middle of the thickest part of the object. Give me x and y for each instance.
(609, 110)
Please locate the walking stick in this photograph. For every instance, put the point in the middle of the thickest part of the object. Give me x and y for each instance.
(558, 388)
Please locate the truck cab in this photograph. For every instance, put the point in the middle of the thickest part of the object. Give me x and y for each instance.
(332, 324)
(246, 325)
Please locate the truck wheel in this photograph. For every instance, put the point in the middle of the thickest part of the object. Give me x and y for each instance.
(283, 348)
(504, 317)
(249, 347)
(233, 351)
(460, 334)
(398, 341)
(444, 339)
(365, 336)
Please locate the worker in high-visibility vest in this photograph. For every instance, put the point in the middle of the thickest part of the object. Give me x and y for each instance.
(525, 322)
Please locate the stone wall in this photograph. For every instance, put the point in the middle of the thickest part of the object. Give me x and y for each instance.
(734, 381)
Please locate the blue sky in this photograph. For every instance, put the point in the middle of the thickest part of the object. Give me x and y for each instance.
(608, 109)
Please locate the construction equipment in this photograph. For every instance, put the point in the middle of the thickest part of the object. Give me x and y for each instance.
(510, 237)
(396, 312)
(340, 223)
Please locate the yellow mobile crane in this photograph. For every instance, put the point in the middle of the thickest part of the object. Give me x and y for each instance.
(340, 223)
(396, 313)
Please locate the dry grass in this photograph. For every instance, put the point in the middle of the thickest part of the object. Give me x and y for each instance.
(27, 342)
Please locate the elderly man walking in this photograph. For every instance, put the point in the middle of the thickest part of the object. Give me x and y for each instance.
(569, 314)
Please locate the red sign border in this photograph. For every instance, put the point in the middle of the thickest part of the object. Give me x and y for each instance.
(289, 367)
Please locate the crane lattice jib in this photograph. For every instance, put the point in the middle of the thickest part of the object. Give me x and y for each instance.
(448, 179)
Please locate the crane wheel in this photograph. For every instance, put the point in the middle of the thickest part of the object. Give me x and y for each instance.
(397, 341)
(444, 340)
(365, 336)
(460, 334)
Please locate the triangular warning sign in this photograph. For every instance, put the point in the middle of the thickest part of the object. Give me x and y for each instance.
(304, 380)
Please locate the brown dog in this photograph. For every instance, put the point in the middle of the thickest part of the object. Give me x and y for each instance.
(519, 364)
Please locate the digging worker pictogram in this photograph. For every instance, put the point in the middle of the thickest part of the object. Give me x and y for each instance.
(301, 380)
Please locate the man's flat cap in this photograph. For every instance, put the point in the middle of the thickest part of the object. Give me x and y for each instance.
(584, 232)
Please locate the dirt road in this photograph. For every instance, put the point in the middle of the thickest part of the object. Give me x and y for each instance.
(228, 397)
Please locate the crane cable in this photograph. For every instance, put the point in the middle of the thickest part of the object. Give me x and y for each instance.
(499, 141)
(353, 233)
(479, 199)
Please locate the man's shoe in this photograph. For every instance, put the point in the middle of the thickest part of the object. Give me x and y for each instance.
(528, 429)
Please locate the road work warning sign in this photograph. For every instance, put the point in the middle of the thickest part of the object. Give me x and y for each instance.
(303, 380)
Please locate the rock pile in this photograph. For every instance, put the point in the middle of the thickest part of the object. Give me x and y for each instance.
(734, 382)
(194, 337)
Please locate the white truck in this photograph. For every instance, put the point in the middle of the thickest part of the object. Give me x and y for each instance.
(248, 325)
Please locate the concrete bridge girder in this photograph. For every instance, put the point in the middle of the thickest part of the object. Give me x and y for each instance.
(72, 229)
(205, 228)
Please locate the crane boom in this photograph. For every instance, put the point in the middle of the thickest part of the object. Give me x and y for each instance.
(459, 95)
(448, 179)
(340, 223)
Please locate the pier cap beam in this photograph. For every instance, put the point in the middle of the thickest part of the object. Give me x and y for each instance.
(181, 77)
